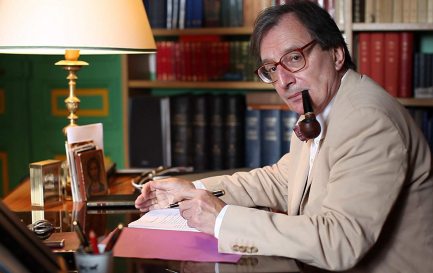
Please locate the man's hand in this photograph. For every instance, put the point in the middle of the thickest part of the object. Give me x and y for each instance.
(200, 208)
(160, 193)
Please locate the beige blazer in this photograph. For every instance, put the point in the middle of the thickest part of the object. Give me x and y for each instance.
(368, 202)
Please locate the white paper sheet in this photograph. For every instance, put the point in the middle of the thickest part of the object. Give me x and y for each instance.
(165, 219)
(86, 132)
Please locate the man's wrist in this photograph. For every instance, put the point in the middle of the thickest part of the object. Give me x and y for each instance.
(219, 220)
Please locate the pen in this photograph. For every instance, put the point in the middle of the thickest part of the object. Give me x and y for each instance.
(81, 237)
(113, 239)
(214, 193)
(93, 242)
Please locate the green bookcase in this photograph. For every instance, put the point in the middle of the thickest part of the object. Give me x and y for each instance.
(33, 113)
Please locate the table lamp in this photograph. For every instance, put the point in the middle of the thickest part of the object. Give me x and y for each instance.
(71, 28)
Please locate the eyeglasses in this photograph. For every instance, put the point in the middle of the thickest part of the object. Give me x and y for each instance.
(292, 61)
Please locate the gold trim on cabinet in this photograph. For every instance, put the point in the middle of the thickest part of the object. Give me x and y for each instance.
(2, 101)
(205, 85)
(82, 93)
(4, 168)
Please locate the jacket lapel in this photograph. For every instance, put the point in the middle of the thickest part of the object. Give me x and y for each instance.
(300, 179)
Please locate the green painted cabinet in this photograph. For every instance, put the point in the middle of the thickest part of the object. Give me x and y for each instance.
(33, 113)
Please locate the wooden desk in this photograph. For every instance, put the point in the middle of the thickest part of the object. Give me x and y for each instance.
(104, 221)
(19, 198)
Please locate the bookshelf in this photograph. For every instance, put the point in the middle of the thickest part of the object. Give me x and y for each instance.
(350, 29)
(418, 27)
(199, 85)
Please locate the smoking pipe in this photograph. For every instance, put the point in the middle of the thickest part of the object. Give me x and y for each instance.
(309, 126)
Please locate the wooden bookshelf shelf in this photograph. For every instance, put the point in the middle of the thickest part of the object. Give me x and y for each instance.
(161, 32)
(416, 102)
(200, 85)
(203, 31)
(392, 27)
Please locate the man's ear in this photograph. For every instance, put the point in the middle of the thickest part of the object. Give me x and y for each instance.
(339, 57)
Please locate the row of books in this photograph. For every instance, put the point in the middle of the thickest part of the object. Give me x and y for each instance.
(207, 60)
(173, 14)
(203, 131)
(387, 57)
(392, 11)
(268, 130)
(217, 131)
(179, 14)
(423, 71)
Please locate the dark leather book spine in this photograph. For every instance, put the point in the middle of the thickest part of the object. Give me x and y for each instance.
(271, 136)
(406, 67)
(181, 132)
(288, 122)
(252, 137)
(234, 131)
(200, 129)
(149, 132)
(216, 135)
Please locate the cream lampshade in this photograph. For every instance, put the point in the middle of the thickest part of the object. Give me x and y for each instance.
(74, 27)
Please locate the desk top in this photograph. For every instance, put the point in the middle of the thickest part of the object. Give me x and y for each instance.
(104, 221)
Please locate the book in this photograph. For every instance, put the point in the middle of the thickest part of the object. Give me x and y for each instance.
(197, 14)
(413, 11)
(234, 131)
(392, 62)
(216, 136)
(337, 10)
(249, 12)
(200, 133)
(358, 11)
(149, 131)
(212, 10)
(406, 65)
(364, 55)
(377, 54)
(406, 11)
(397, 11)
(369, 16)
(181, 130)
(288, 122)
(270, 145)
(429, 11)
(252, 137)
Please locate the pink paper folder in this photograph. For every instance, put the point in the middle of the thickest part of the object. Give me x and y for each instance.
(170, 245)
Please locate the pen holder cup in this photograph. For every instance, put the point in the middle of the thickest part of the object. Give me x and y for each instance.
(94, 263)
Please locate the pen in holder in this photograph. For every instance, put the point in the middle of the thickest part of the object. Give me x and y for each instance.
(95, 263)
(91, 257)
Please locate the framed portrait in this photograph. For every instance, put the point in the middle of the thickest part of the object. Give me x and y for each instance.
(91, 172)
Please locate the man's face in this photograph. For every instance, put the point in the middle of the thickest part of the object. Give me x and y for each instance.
(320, 75)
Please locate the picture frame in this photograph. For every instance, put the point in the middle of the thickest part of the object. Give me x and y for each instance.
(45, 183)
(91, 172)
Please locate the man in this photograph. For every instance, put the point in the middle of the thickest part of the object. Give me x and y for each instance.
(359, 197)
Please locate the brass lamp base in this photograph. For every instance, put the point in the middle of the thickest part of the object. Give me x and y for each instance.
(72, 65)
